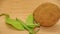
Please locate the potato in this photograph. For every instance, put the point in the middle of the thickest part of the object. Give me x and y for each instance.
(47, 14)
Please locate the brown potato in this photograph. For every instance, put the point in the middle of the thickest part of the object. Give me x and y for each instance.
(47, 14)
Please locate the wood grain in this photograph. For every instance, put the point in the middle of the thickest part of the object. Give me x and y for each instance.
(21, 9)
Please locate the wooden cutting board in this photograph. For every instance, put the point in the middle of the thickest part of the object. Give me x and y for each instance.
(21, 9)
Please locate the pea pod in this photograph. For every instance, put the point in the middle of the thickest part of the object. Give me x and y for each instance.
(30, 21)
(31, 31)
(13, 22)
(24, 25)
(31, 24)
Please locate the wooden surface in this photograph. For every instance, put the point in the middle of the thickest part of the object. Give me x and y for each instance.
(21, 9)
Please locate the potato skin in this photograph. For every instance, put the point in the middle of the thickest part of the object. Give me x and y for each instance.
(47, 14)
